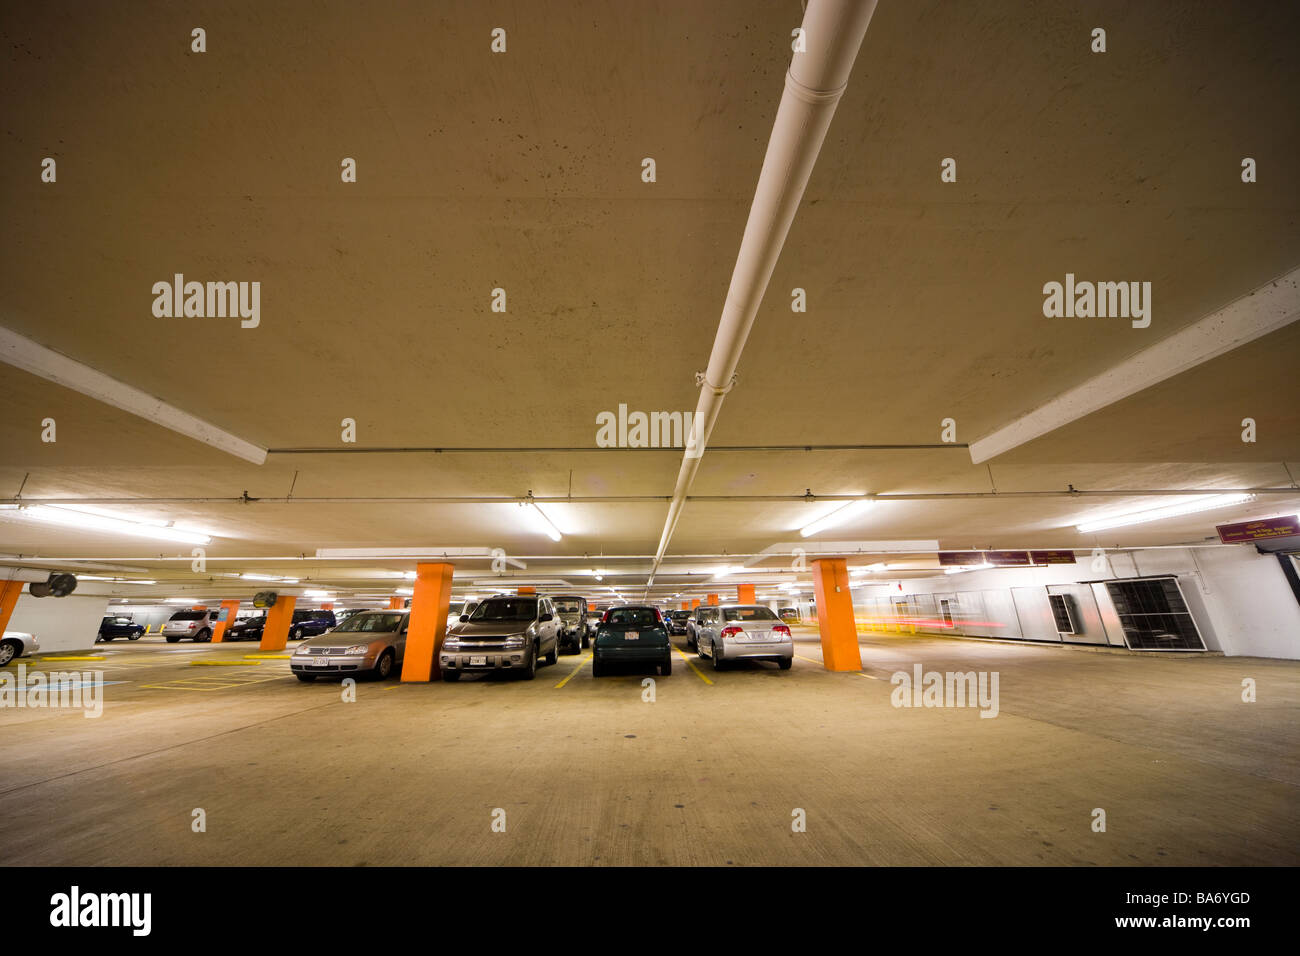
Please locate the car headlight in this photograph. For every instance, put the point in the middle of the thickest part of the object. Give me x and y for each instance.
(357, 649)
(515, 640)
(301, 650)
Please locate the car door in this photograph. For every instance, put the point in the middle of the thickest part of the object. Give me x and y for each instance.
(399, 643)
(545, 606)
(708, 628)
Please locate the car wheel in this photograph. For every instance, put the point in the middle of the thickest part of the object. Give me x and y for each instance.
(305, 678)
(203, 636)
(450, 676)
(383, 666)
(530, 669)
(784, 663)
(554, 654)
(690, 644)
(297, 634)
(666, 667)
(586, 641)
(172, 640)
(717, 658)
(134, 636)
(8, 651)
(597, 667)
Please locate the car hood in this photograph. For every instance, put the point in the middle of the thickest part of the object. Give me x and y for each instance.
(488, 629)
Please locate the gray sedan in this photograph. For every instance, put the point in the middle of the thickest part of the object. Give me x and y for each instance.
(368, 644)
(743, 631)
(17, 644)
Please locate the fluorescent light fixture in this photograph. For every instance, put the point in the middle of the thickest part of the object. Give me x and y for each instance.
(967, 567)
(546, 526)
(311, 592)
(36, 359)
(269, 577)
(836, 517)
(1187, 506)
(87, 521)
(404, 592)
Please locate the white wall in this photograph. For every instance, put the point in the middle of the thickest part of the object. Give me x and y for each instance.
(1240, 599)
(60, 624)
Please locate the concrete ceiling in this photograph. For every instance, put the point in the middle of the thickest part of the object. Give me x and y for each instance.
(522, 171)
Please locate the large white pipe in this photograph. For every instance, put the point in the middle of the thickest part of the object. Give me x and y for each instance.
(832, 34)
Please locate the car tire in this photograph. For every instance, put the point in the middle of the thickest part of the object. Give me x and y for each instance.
(554, 654)
(597, 667)
(134, 636)
(717, 659)
(530, 670)
(666, 667)
(172, 640)
(691, 645)
(100, 639)
(586, 641)
(305, 678)
(203, 636)
(9, 650)
(383, 668)
(450, 676)
(297, 634)
(785, 663)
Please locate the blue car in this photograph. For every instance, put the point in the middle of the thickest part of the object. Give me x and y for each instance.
(632, 634)
(111, 628)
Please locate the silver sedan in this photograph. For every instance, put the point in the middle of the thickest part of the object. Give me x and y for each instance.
(17, 644)
(743, 631)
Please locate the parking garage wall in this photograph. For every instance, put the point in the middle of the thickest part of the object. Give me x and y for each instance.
(60, 624)
(1240, 600)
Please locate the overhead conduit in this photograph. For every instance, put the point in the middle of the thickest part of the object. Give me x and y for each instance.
(832, 34)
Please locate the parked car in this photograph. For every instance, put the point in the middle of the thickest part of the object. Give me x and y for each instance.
(16, 644)
(504, 633)
(303, 624)
(699, 616)
(677, 621)
(735, 631)
(593, 621)
(632, 633)
(196, 625)
(789, 614)
(111, 628)
(369, 644)
(453, 618)
(572, 613)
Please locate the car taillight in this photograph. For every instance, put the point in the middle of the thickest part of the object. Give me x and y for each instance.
(781, 629)
(732, 631)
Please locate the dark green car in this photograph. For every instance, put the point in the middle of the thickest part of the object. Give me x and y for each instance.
(632, 634)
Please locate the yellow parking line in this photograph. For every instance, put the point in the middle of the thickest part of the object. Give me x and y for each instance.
(691, 664)
(224, 663)
(268, 657)
(573, 673)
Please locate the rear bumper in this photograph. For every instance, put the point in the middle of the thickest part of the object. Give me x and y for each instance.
(733, 650)
(631, 651)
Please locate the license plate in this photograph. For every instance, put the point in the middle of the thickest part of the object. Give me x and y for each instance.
(320, 663)
(631, 635)
(478, 662)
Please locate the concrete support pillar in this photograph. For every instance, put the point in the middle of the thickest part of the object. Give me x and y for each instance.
(9, 591)
(686, 605)
(275, 635)
(835, 622)
(695, 602)
(395, 603)
(428, 625)
(745, 594)
(713, 598)
(527, 590)
(229, 609)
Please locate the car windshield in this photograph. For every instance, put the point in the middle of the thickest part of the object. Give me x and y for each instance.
(637, 616)
(567, 605)
(506, 609)
(189, 615)
(251, 622)
(372, 621)
(681, 615)
(748, 614)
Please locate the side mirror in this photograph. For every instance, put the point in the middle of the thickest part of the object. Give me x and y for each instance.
(546, 617)
(464, 618)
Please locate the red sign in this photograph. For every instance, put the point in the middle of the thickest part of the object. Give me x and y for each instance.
(1281, 527)
(1052, 557)
(1007, 559)
(958, 559)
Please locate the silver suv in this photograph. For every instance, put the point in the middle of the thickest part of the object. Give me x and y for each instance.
(503, 633)
(195, 625)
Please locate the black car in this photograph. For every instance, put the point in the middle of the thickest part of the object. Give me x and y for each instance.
(304, 624)
(114, 627)
(676, 621)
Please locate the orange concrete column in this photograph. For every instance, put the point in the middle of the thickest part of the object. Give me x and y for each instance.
(713, 598)
(275, 634)
(839, 633)
(429, 609)
(527, 590)
(744, 594)
(9, 591)
(695, 602)
(231, 608)
(395, 603)
(327, 606)
(686, 605)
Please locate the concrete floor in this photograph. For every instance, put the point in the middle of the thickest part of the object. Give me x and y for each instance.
(588, 773)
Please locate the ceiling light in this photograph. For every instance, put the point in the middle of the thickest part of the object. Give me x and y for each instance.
(967, 567)
(1185, 507)
(836, 517)
(86, 521)
(546, 526)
